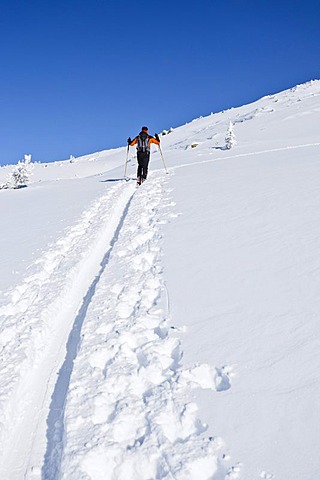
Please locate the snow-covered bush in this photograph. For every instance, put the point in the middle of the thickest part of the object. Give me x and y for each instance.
(230, 137)
(20, 174)
(166, 132)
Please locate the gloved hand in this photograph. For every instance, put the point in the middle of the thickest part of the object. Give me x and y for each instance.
(129, 141)
(156, 136)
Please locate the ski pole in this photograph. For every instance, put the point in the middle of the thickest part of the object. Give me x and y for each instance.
(164, 163)
(125, 167)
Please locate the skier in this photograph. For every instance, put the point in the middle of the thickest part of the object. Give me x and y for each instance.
(143, 142)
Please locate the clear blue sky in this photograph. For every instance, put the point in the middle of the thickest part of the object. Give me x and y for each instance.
(81, 76)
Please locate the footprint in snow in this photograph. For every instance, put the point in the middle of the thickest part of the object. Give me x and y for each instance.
(124, 310)
(266, 476)
(222, 380)
(207, 376)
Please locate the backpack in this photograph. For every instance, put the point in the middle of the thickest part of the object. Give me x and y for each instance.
(143, 142)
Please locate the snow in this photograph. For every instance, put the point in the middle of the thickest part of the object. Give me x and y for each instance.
(169, 331)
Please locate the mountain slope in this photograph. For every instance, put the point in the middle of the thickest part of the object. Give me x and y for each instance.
(151, 324)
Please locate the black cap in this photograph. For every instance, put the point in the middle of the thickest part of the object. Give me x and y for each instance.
(144, 128)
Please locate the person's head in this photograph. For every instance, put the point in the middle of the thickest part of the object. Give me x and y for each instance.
(144, 129)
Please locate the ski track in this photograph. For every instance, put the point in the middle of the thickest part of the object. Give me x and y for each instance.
(128, 412)
(248, 154)
(36, 322)
(92, 381)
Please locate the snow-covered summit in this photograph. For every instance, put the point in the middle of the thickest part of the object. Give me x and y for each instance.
(169, 331)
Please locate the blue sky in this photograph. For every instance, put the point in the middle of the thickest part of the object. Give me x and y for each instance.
(81, 76)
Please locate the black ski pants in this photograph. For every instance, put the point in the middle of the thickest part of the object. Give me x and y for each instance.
(143, 162)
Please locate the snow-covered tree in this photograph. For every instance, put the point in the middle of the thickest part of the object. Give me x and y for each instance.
(166, 132)
(20, 174)
(230, 139)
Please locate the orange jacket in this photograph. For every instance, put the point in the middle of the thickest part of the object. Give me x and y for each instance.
(151, 140)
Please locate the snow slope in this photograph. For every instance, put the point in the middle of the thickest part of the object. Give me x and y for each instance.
(169, 332)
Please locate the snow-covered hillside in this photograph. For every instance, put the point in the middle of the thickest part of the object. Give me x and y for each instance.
(170, 331)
